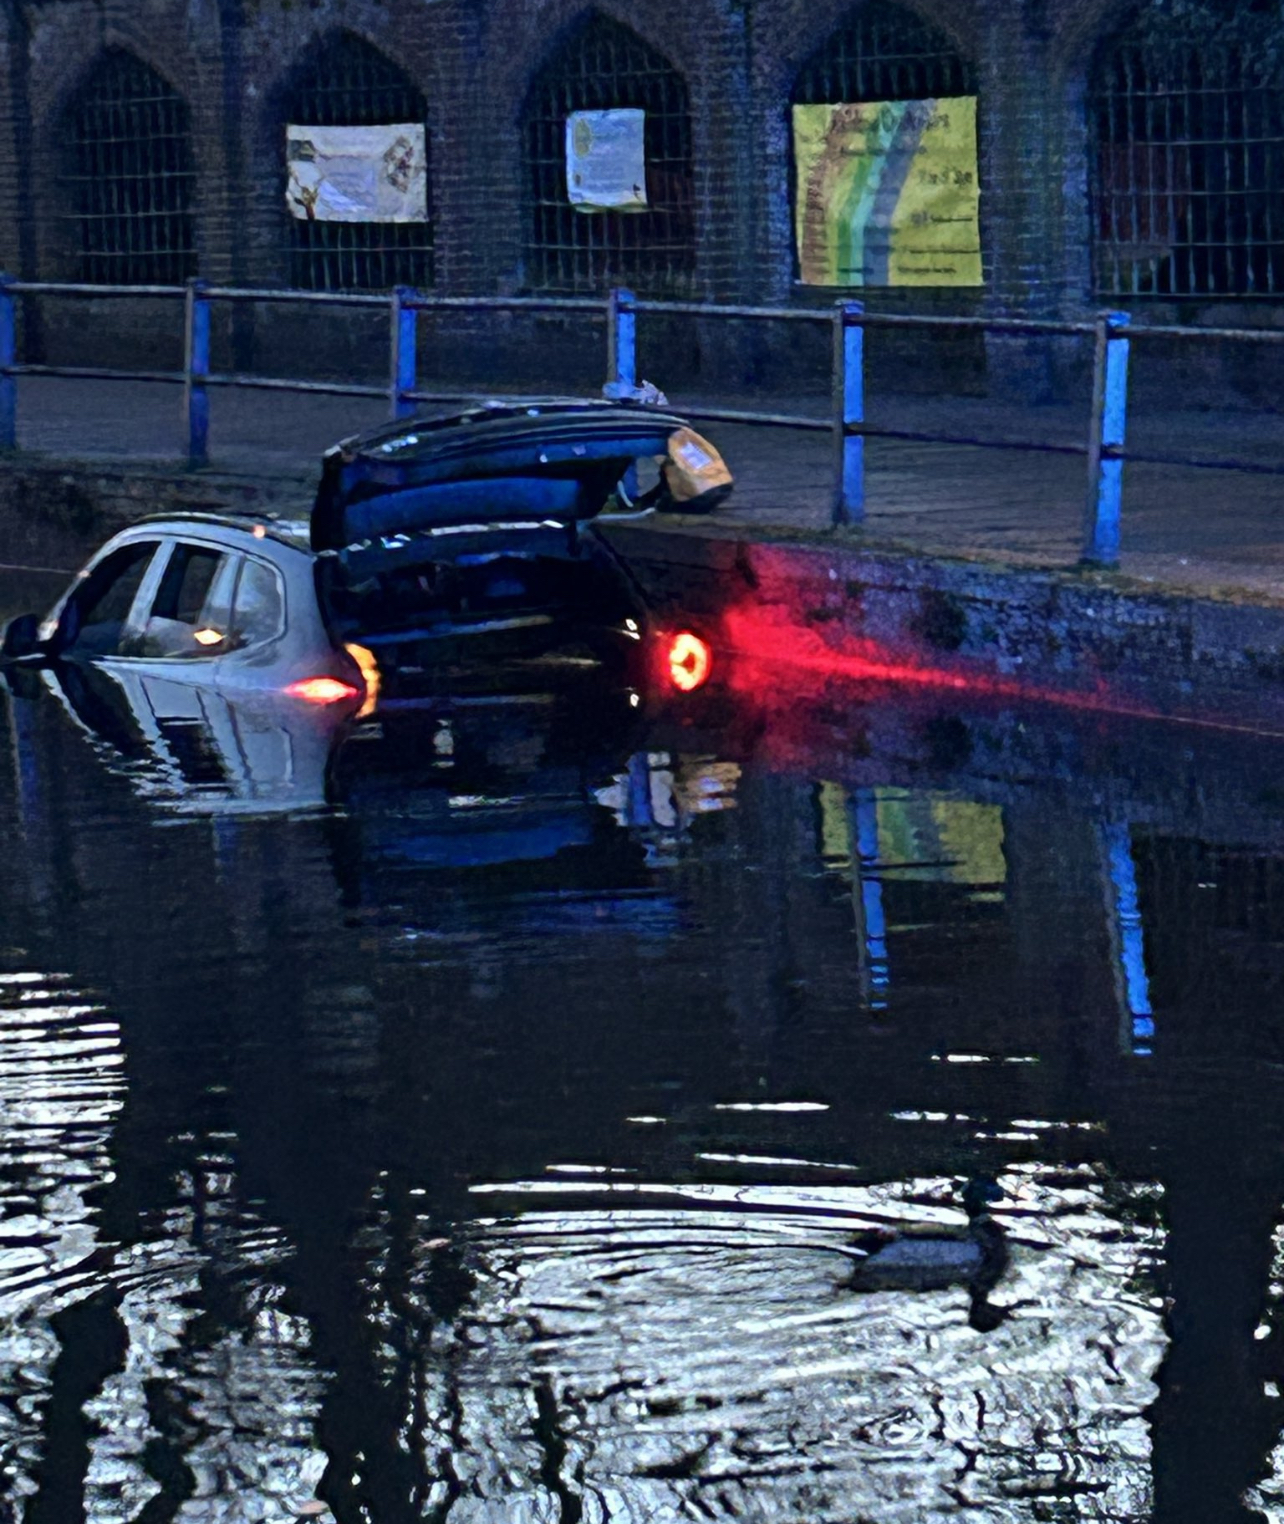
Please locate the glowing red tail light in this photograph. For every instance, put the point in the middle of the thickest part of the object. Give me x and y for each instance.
(322, 690)
(690, 661)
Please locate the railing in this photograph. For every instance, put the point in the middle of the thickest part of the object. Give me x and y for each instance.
(1103, 446)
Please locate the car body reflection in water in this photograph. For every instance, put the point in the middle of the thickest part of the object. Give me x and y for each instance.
(481, 1111)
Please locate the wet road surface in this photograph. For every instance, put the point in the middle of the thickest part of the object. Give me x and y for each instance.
(563, 1109)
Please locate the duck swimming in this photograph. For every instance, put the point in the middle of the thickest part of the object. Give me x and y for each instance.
(936, 1258)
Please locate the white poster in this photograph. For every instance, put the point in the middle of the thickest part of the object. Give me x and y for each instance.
(606, 160)
(357, 174)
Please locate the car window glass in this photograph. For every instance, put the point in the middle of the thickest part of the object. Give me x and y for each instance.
(177, 625)
(216, 616)
(186, 583)
(259, 604)
(96, 617)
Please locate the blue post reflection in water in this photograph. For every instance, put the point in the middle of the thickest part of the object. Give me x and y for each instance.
(31, 794)
(25, 764)
(652, 815)
(639, 795)
(1128, 936)
(868, 882)
(225, 833)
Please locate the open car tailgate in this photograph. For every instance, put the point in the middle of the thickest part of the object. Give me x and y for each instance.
(548, 461)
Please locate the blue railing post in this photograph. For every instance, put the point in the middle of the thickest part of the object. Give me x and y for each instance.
(849, 413)
(1106, 440)
(196, 368)
(621, 338)
(403, 371)
(8, 355)
(622, 360)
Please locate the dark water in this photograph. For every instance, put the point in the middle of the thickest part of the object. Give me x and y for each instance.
(485, 1118)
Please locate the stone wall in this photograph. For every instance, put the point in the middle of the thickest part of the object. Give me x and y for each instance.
(55, 513)
(835, 608)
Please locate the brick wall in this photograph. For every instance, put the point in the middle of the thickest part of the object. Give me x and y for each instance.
(474, 61)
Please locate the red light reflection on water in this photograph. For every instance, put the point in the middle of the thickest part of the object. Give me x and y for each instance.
(758, 634)
(768, 636)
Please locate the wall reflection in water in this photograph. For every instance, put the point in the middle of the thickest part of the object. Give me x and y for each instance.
(487, 1112)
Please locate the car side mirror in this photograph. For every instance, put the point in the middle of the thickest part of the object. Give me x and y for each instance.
(21, 637)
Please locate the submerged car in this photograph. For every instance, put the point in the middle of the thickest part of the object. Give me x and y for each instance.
(512, 767)
(451, 535)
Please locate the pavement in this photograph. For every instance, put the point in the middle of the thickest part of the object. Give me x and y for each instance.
(1213, 532)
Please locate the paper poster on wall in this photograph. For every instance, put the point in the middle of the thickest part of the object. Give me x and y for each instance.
(357, 174)
(888, 193)
(606, 160)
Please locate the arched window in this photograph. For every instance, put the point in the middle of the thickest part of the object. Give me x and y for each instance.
(130, 177)
(868, 211)
(1188, 162)
(347, 83)
(602, 66)
(883, 53)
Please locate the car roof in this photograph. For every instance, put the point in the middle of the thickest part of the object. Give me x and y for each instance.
(283, 529)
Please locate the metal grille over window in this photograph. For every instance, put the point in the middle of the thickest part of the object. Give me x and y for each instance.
(1188, 167)
(130, 177)
(348, 84)
(883, 54)
(607, 81)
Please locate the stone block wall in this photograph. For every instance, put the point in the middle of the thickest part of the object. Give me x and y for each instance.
(1091, 642)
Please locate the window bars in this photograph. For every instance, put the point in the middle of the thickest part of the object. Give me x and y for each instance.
(347, 83)
(1240, 894)
(1187, 172)
(130, 177)
(604, 65)
(883, 53)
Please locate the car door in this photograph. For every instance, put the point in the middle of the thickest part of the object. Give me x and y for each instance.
(154, 630)
(189, 659)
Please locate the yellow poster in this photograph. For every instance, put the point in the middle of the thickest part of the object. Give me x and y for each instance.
(888, 193)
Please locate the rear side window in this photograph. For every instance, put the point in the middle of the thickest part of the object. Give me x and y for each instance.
(259, 610)
(95, 621)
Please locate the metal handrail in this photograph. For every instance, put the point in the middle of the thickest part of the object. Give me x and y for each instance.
(84, 288)
(285, 384)
(424, 303)
(598, 306)
(94, 373)
(299, 298)
(730, 310)
(848, 321)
